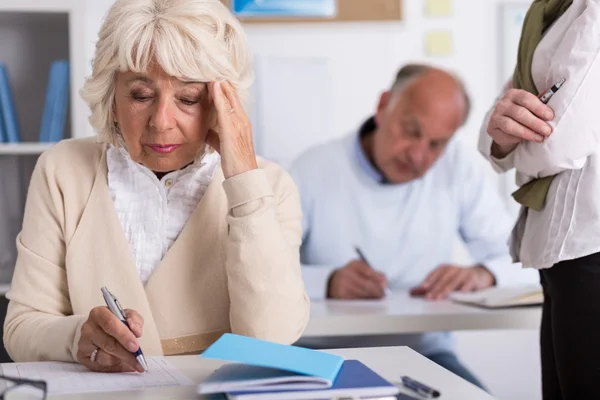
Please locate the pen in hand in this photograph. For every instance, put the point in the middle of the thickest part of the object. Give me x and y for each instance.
(547, 95)
(115, 307)
(364, 259)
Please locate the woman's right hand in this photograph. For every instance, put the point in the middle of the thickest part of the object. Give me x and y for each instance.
(518, 116)
(113, 341)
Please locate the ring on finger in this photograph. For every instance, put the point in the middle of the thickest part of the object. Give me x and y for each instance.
(231, 110)
(94, 355)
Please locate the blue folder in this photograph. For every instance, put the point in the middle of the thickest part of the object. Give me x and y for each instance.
(7, 108)
(354, 380)
(260, 353)
(265, 370)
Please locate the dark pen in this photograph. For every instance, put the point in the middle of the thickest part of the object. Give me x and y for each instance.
(115, 307)
(545, 98)
(364, 259)
(420, 388)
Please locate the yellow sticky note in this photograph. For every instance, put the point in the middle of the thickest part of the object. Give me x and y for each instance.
(439, 43)
(439, 8)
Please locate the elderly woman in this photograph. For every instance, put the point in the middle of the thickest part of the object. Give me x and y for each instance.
(168, 208)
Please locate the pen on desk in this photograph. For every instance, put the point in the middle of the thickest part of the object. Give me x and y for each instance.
(420, 388)
(364, 259)
(545, 98)
(115, 307)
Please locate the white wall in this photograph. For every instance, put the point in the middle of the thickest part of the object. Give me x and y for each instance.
(360, 60)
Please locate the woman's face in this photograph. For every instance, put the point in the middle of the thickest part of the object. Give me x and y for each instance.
(163, 120)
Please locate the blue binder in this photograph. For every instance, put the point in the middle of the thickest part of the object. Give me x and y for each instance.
(55, 108)
(60, 110)
(51, 91)
(3, 138)
(266, 370)
(7, 108)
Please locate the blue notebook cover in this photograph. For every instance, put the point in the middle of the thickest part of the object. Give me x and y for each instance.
(354, 380)
(260, 353)
(7, 108)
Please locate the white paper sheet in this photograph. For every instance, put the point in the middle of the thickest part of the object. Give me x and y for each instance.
(66, 378)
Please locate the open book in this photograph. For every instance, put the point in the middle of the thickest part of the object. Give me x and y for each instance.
(502, 297)
(264, 370)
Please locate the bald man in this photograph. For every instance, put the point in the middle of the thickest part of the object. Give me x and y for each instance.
(383, 207)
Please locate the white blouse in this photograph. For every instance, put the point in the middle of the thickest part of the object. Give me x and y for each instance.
(569, 224)
(153, 212)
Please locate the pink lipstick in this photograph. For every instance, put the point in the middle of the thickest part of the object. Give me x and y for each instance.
(163, 149)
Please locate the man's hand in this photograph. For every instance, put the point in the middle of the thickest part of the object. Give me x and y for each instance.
(356, 280)
(449, 278)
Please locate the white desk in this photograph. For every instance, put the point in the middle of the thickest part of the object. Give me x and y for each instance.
(391, 363)
(401, 313)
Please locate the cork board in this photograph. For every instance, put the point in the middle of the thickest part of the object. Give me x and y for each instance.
(347, 10)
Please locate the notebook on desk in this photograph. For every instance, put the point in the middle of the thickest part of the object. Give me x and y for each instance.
(502, 297)
(266, 370)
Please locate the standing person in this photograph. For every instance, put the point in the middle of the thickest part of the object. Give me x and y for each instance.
(554, 148)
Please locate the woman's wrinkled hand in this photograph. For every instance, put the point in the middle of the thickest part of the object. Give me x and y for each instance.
(106, 344)
(233, 135)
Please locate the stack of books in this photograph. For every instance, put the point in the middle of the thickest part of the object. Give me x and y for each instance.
(52, 125)
(261, 370)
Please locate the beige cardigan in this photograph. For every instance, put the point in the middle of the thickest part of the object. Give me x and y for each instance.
(234, 268)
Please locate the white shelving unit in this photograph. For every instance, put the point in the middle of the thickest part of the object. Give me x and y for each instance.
(33, 33)
(32, 14)
(24, 148)
(36, 6)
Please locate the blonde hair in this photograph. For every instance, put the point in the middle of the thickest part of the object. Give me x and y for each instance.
(198, 40)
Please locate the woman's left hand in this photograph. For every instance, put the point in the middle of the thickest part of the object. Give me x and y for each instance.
(233, 140)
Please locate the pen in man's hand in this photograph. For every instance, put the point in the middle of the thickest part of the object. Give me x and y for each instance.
(547, 95)
(362, 256)
(115, 307)
(364, 259)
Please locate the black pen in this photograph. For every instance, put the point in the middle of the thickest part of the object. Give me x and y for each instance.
(420, 388)
(115, 307)
(545, 98)
(364, 259)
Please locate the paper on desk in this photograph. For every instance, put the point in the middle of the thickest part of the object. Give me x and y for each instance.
(67, 378)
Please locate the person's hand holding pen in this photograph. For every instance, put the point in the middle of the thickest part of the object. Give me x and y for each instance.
(357, 280)
(519, 116)
(107, 345)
